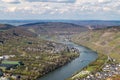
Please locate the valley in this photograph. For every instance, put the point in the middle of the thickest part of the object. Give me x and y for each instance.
(59, 39)
(46, 47)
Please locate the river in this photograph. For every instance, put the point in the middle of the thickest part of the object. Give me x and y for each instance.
(86, 56)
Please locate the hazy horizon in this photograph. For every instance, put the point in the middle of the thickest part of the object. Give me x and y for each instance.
(59, 9)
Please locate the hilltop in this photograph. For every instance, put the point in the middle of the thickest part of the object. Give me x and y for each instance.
(92, 23)
(41, 28)
(54, 28)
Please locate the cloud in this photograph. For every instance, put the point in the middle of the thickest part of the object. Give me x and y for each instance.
(104, 1)
(56, 1)
(11, 1)
(51, 1)
(11, 9)
(64, 8)
(79, 7)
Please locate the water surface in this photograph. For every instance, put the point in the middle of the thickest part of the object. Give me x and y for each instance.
(86, 56)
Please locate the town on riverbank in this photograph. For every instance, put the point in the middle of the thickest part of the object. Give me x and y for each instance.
(106, 71)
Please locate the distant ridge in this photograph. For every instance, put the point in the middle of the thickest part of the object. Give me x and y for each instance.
(50, 23)
(30, 24)
(55, 28)
(6, 26)
(94, 23)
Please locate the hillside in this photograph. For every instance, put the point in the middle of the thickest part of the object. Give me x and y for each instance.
(106, 41)
(39, 56)
(14, 33)
(92, 23)
(54, 28)
(6, 26)
(96, 23)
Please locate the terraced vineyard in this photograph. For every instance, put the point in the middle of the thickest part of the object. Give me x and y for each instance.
(106, 41)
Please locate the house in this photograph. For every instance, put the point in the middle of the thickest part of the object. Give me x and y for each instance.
(1, 57)
(6, 57)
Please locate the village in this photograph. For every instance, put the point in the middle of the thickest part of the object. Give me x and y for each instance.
(108, 71)
(54, 56)
(50, 47)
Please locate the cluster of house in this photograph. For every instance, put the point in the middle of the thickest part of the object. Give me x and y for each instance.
(9, 65)
(107, 72)
(4, 57)
(49, 47)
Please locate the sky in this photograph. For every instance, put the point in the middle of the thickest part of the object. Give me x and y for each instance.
(60, 9)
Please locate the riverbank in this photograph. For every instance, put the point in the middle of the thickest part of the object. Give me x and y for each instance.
(66, 71)
(92, 68)
(95, 66)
